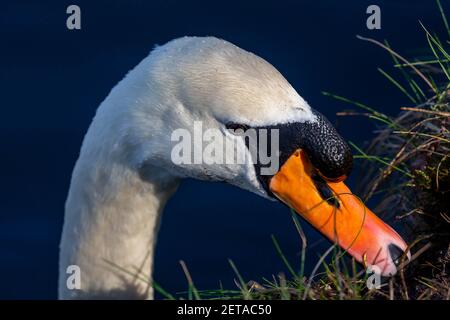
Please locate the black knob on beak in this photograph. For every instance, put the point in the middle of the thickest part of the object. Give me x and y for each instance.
(327, 150)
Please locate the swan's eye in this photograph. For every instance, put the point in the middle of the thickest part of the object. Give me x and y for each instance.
(235, 126)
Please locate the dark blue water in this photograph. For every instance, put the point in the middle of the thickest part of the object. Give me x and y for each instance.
(52, 81)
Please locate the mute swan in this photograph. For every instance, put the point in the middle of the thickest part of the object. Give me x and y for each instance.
(124, 174)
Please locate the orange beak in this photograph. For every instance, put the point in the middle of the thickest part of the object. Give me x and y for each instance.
(341, 217)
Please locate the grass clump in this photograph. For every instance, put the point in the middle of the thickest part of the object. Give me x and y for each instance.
(407, 164)
(410, 170)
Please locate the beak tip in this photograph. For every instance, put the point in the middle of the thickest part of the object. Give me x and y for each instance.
(396, 253)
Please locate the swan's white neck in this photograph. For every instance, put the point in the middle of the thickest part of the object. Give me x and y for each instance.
(116, 197)
(111, 223)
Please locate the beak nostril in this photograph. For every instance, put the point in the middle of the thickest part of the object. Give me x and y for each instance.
(325, 191)
(396, 253)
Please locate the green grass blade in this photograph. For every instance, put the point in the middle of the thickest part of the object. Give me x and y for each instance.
(405, 75)
(282, 256)
(444, 17)
(300, 231)
(162, 292)
(363, 155)
(431, 40)
(355, 103)
(418, 89)
(420, 63)
(360, 105)
(397, 84)
(244, 288)
(192, 290)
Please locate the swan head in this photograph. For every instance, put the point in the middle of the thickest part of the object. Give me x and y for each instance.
(213, 111)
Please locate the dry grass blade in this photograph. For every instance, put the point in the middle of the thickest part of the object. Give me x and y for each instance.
(417, 71)
(438, 113)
